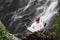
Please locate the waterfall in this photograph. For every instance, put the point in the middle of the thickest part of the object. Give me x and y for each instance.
(15, 20)
(48, 10)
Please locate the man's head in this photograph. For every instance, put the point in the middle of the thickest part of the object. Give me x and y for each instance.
(37, 19)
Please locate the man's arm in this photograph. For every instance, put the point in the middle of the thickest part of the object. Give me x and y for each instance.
(31, 28)
(42, 26)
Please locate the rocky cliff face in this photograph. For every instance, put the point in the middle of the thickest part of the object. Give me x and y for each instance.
(7, 6)
(11, 10)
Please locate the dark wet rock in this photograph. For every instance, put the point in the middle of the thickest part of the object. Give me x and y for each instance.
(41, 35)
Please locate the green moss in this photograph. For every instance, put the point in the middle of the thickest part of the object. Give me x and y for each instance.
(57, 22)
(57, 26)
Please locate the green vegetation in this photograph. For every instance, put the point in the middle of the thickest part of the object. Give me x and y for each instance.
(4, 34)
(57, 25)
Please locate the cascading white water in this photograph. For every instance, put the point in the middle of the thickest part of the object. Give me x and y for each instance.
(48, 8)
(48, 11)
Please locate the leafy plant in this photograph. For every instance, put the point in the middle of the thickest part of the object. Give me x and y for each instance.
(4, 34)
(57, 25)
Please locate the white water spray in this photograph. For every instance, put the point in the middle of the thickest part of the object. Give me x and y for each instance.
(49, 11)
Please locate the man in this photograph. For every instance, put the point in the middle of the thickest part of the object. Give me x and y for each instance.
(36, 26)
